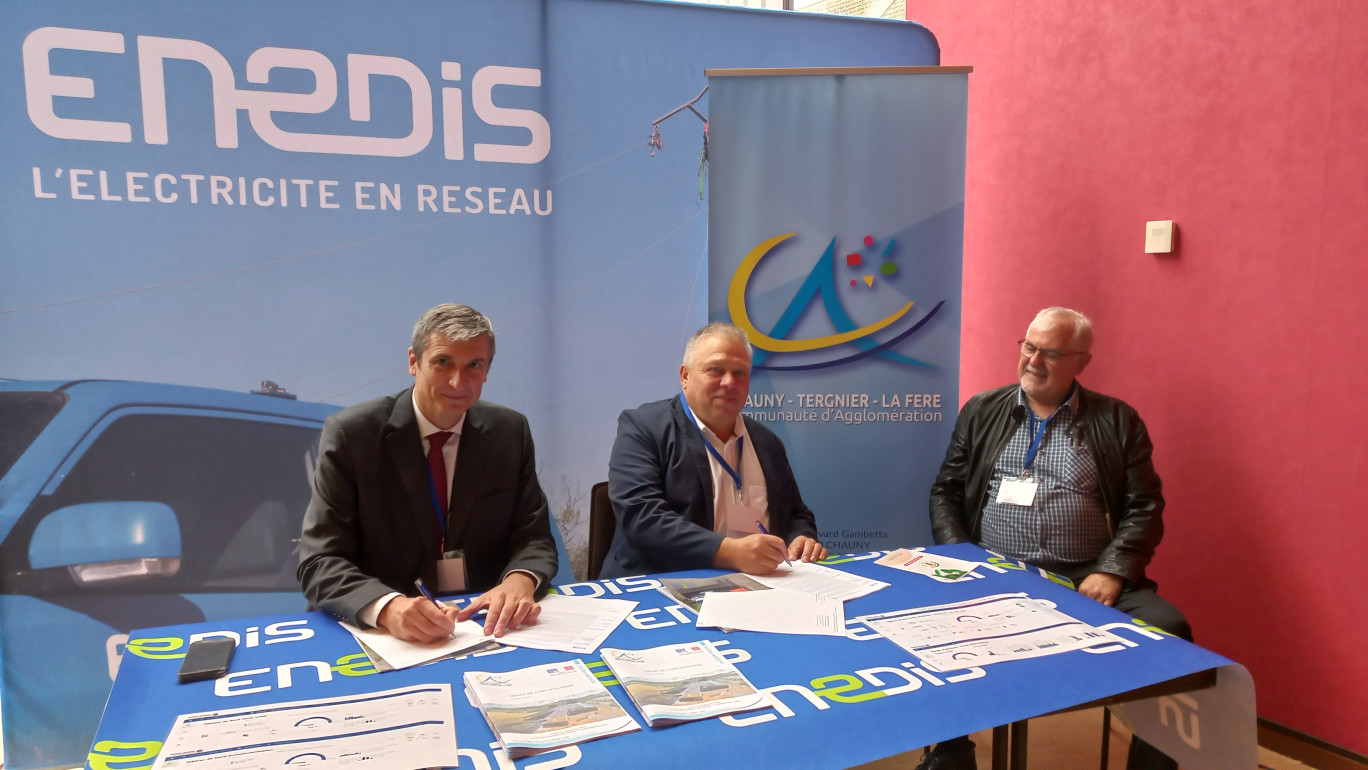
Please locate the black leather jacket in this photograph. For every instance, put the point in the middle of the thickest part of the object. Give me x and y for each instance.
(1119, 442)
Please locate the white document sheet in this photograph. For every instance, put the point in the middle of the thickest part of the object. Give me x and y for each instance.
(571, 624)
(990, 629)
(811, 578)
(777, 612)
(404, 729)
(396, 653)
(942, 568)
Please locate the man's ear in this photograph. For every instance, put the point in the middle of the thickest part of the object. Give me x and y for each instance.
(1083, 362)
(413, 362)
(683, 375)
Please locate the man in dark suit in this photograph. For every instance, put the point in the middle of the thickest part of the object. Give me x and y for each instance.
(695, 484)
(471, 516)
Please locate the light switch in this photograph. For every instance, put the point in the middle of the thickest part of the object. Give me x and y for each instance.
(1159, 237)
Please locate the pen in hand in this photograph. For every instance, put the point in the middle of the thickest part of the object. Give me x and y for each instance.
(422, 588)
(763, 531)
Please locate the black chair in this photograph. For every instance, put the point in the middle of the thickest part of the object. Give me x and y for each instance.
(601, 528)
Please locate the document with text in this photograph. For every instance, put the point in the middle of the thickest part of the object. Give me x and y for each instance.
(405, 728)
(990, 629)
(777, 611)
(576, 624)
(812, 578)
(388, 653)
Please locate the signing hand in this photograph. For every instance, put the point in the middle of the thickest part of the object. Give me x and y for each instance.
(752, 554)
(510, 604)
(807, 549)
(416, 619)
(1102, 586)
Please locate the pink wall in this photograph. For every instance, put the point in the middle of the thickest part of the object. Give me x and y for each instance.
(1247, 124)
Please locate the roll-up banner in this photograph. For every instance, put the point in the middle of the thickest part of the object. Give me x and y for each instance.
(836, 233)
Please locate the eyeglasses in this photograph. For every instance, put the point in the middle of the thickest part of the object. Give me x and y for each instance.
(1050, 355)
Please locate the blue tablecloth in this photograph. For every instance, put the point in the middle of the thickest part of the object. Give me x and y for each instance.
(845, 700)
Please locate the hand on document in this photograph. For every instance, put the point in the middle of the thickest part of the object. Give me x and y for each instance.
(417, 619)
(510, 604)
(805, 548)
(752, 554)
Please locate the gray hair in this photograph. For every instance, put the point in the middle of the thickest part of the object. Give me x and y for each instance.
(715, 329)
(1082, 326)
(458, 323)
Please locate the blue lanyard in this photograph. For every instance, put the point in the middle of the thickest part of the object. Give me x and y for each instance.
(740, 444)
(437, 509)
(1037, 436)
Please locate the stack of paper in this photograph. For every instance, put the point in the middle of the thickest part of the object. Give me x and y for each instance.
(387, 653)
(545, 707)
(682, 682)
(576, 624)
(777, 612)
(813, 578)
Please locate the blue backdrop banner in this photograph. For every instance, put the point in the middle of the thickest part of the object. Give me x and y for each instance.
(196, 197)
(836, 231)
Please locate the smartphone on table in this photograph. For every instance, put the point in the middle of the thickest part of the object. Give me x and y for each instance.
(206, 659)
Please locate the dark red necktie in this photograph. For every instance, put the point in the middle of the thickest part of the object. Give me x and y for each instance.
(437, 467)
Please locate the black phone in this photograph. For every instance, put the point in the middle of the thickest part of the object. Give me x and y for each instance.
(207, 659)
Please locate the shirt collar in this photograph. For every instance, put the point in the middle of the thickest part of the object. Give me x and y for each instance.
(739, 429)
(425, 426)
(1070, 403)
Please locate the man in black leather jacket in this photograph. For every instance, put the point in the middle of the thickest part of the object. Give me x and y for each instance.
(1060, 477)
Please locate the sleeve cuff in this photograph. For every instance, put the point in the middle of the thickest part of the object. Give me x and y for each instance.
(537, 579)
(370, 614)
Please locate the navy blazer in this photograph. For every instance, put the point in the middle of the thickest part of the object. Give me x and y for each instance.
(370, 527)
(661, 488)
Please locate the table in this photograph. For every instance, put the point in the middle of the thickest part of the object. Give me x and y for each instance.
(842, 701)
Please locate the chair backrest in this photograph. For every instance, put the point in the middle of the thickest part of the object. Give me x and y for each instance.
(601, 528)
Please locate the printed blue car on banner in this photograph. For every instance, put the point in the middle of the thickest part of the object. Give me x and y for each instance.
(125, 505)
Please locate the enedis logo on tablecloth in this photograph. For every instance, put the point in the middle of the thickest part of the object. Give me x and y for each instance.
(174, 647)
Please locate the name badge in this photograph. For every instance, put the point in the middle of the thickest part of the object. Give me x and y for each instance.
(750, 507)
(451, 573)
(1017, 492)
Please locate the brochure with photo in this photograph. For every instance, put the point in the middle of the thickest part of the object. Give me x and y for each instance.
(683, 682)
(545, 707)
(689, 592)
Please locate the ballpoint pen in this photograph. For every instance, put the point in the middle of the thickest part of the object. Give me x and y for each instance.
(763, 531)
(419, 583)
(427, 593)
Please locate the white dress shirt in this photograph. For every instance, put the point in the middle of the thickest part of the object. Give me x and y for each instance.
(370, 614)
(737, 514)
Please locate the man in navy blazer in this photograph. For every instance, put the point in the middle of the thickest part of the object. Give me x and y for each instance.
(695, 484)
(378, 520)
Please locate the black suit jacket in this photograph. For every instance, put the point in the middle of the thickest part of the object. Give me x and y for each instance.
(661, 488)
(370, 527)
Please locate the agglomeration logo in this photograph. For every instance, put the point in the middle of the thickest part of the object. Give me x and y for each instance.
(821, 281)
